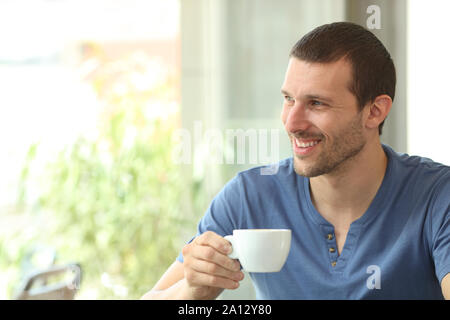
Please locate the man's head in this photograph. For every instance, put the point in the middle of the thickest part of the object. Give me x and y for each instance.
(373, 68)
(338, 90)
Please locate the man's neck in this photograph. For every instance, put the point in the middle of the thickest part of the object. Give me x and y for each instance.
(344, 195)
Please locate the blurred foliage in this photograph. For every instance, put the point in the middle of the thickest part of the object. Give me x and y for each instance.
(116, 199)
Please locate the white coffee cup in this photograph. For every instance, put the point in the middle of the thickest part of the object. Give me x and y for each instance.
(260, 250)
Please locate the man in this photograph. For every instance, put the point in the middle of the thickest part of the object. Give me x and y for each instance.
(367, 222)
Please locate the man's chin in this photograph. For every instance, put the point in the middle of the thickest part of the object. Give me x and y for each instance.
(305, 170)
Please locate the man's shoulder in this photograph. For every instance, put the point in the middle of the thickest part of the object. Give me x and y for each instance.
(418, 173)
(416, 164)
(277, 170)
(265, 177)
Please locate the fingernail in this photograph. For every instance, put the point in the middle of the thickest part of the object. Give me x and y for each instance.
(239, 276)
(227, 248)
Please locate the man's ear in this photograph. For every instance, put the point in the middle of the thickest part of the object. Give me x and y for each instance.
(378, 111)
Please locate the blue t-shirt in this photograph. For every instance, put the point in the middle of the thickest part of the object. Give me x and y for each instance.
(399, 248)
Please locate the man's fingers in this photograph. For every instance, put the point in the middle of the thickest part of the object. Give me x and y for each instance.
(212, 255)
(216, 270)
(206, 263)
(212, 239)
(203, 279)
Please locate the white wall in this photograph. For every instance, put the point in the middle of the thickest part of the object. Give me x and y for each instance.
(428, 79)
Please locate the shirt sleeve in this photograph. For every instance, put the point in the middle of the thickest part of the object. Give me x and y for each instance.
(441, 229)
(224, 213)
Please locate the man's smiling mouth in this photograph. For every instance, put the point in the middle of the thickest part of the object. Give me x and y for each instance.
(305, 146)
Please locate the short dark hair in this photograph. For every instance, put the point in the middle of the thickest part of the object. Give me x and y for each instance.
(373, 68)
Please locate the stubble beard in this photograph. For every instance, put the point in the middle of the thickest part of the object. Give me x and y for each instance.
(334, 158)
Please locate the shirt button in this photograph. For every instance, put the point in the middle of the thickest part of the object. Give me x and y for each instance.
(333, 263)
(330, 236)
(332, 250)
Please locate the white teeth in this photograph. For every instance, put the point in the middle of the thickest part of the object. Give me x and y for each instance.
(307, 144)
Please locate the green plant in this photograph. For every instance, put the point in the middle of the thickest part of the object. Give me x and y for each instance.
(119, 215)
(116, 200)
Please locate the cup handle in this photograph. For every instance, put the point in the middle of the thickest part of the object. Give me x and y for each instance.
(233, 254)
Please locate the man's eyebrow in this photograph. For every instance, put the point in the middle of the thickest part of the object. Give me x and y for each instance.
(318, 97)
(310, 96)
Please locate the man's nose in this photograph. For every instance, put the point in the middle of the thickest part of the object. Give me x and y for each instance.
(297, 119)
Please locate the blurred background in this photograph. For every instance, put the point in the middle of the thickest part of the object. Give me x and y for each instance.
(95, 96)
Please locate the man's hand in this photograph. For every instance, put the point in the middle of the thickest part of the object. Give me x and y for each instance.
(445, 285)
(207, 268)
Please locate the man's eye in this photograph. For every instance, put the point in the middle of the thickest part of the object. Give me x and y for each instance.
(288, 99)
(316, 103)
